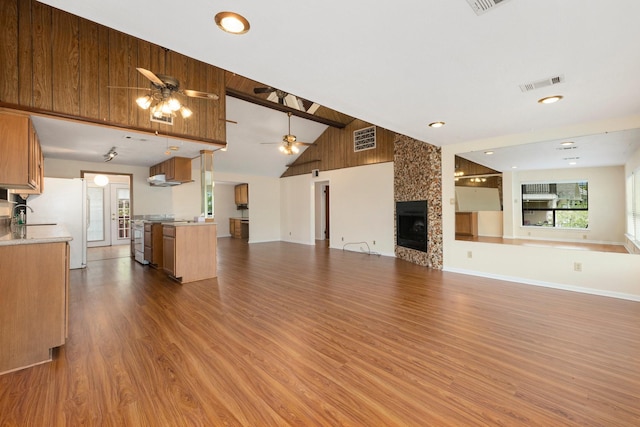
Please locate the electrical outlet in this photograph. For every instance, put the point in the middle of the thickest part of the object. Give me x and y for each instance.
(584, 236)
(577, 266)
(343, 239)
(374, 242)
(289, 233)
(469, 254)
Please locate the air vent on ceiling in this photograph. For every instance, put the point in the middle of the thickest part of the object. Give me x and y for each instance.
(542, 83)
(482, 6)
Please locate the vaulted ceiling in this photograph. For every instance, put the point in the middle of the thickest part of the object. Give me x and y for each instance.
(404, 65)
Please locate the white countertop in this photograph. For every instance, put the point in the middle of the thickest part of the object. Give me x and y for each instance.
(33, 234)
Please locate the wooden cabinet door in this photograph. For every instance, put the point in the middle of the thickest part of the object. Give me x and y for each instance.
(242, 194)
(169, 254)
(16, 154)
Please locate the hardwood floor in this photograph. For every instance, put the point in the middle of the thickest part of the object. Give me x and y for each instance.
(305, 335)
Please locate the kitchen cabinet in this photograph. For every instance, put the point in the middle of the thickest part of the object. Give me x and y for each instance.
(22, 162)
(467, 224)
(239, 228)
(34, 308)
(153, 245)
(190, 251)
(242, 194)
(174, 169)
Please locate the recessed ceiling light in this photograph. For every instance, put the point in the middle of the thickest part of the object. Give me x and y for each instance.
(550, 99)
(488, 153)
(436, 124)
(232, 22)
(567, 143)
(573, 163)
(514, 167)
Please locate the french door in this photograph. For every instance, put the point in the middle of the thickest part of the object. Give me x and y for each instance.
(109, 215)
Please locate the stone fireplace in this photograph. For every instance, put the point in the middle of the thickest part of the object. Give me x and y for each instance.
(418, 177)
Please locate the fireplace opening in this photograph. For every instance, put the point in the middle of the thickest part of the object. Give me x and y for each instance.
(411, 225)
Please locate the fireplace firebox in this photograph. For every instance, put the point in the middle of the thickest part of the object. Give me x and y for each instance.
(411, 225)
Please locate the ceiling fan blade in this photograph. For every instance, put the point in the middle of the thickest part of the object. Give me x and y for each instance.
(263, 90)
(128, 87)
(154, 79)
(270, 143)
(198, 94)
(303, 143)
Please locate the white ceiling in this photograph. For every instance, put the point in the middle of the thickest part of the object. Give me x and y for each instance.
(402, 65)
(246, 153)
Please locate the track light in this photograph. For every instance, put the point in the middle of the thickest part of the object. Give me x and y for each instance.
(110, 155)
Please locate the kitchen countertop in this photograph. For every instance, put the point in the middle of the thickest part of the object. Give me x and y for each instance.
(241, 219)
(33, 234)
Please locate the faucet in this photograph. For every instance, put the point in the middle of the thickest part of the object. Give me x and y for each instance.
(13, 218)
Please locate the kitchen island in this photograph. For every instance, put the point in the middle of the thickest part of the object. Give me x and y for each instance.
(189, 250)
(34, 261)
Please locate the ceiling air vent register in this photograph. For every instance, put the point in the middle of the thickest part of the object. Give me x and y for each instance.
(364, 139)
(482, 6)
(550, 81)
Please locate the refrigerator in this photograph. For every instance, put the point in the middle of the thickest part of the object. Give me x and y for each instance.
(63, 201)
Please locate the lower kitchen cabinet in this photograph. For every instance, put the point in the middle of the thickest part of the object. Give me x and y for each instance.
(190, 251)
(239, 228)
(34, 304)
(153, 244)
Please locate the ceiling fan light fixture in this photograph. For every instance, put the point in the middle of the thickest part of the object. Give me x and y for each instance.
(295, 149)
(173, 104)
(144, 102)
(282, 149)
(231, 22)
(185, 112)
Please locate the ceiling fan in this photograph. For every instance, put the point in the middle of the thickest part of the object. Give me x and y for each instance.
(162, 99)
(287, 99)
(290, 143)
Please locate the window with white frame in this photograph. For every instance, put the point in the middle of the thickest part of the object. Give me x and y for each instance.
(556, 204)
(633, 206)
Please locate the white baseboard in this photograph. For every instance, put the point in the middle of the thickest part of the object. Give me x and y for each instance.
(600, 292)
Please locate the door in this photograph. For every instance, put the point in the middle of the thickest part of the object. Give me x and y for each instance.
(326, 212)
(109, 215)
(120, 214)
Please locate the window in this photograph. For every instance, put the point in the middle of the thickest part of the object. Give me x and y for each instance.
(633, 206)
(556, 204)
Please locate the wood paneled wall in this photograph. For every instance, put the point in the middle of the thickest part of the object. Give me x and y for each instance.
(334, 150)
(56, 63)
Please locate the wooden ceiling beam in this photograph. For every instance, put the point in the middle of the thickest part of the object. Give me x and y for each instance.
(275, 106)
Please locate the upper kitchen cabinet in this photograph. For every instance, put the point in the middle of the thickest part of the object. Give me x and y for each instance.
(58, 64)
(242, 195)
(176, 169)
(21, 163)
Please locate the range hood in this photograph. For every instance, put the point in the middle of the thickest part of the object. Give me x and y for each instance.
(160, 181)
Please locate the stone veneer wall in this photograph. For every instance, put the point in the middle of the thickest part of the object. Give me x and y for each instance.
(418, 176)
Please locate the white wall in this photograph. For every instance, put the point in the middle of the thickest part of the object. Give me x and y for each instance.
(602, 273)
(361, 207)
(224, 207)
(606, 204)
(183, 200)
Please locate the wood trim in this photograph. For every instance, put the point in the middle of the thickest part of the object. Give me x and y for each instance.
(84, 120)
(275, 106)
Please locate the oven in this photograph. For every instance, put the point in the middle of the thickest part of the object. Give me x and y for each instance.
(138, 241)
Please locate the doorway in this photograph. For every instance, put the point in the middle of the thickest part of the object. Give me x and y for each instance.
(322, 211)
(109, 208)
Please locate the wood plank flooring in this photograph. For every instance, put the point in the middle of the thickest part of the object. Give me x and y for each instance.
(301, 335)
